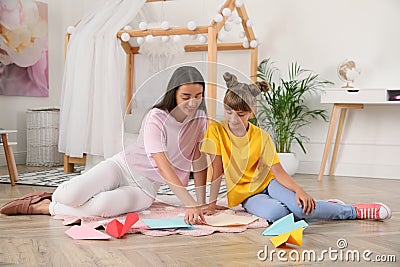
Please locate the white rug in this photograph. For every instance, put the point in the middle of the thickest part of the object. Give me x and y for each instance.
(56, 176)
(52, 177)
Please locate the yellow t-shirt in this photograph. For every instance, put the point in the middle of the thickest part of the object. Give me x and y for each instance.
(246, 160)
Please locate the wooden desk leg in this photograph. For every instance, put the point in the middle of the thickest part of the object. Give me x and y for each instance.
(331, 129)
(332, 124)
(337, 140)
(10, 167)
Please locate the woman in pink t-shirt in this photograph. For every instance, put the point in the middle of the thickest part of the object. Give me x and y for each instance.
(166, 151)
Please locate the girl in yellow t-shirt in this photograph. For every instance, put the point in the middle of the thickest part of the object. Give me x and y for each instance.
(246, 155)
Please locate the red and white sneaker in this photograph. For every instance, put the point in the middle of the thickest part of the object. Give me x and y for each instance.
(335, 201)
(373, 211)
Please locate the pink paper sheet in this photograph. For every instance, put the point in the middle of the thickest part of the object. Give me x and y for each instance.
(81, 232)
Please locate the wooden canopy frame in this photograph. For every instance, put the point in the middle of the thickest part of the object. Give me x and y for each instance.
(212, 47)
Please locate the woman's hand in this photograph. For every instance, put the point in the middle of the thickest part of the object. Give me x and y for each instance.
(305, 201)
(194, 215)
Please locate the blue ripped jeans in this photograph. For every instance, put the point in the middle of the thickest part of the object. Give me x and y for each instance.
(276, 201)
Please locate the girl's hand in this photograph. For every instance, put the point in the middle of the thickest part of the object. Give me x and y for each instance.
(194, 215)
(210, 209)
(305, 201)
(219, 207)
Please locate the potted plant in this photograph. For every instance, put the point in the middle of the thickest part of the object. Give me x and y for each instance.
(283, 110)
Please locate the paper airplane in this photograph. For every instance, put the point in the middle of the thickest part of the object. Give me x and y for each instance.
(117, 229)
(285, 230)
(224, 219)
(284, 225)
(294, 237)
(166, 223)
(85, 232)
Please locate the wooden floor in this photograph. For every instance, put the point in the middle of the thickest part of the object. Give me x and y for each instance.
(40, 240)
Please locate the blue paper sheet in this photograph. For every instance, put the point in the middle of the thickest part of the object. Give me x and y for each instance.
(167, 223)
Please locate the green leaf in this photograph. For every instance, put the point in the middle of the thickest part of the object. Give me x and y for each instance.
(282, 110)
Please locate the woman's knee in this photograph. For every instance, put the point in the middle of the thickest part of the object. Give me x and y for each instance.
(100, 205)
(130, 201)
(72, 198)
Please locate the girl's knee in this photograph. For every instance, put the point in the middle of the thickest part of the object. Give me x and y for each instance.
(297, 211)
(299, 215)
(268, 214)
(271, 213)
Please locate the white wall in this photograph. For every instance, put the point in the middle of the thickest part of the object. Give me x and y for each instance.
(317, 34)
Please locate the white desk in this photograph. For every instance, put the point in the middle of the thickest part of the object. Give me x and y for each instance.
(12, 167)
(342, 100)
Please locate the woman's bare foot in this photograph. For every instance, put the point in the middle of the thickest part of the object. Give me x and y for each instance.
(41, 207)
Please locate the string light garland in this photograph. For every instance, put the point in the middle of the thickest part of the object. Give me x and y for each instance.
(140, 40)
(165, 38)
(125, 37)
(191, 25)
(239, 3)
(245, 44)
(70, 29)
(149, 38)
(223, 13)
(218, 17)
(143, 26)
(253, 44)
(165, 25)
(226, 12)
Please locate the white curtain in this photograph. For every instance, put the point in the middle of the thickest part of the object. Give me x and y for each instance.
(91, 118)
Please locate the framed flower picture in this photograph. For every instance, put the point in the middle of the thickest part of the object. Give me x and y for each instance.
(23, 48)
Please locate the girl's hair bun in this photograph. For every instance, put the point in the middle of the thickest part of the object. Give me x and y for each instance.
(230, 79)
(263, 86)
(234, 85)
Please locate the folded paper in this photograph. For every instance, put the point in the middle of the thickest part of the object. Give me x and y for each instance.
(294, 237)
(166, 223)
(117, 229)
(225, 219)
(284, 225)
(85, 232)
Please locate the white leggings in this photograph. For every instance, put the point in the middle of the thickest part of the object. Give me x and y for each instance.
(107, 189)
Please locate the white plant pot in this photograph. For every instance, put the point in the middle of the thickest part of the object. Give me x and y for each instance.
(289, 162)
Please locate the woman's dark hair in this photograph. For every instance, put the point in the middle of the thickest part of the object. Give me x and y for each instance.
(242, 96)
(182, 75)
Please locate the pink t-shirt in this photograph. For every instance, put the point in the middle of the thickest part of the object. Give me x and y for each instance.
(160, 132)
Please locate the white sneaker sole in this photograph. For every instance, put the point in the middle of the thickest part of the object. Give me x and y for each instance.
(388, 210)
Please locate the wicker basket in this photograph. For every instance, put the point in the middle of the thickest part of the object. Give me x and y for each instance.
(42, 137)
